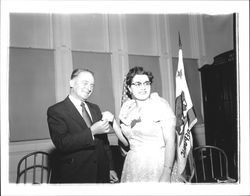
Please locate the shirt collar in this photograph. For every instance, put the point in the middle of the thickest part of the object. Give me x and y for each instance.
(75, 101)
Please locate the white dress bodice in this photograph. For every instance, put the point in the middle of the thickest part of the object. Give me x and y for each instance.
(145, 160)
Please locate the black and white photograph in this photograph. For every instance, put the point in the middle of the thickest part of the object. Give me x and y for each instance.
(124, 98)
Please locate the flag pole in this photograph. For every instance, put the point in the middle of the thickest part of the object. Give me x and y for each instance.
(186, 119)
(180, 45)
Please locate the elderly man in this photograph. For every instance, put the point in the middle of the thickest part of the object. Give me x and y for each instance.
(80, 135)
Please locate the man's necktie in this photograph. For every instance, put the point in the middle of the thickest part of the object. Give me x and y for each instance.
(85, 115)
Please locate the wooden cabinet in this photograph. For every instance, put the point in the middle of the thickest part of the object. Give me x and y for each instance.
(220, 106)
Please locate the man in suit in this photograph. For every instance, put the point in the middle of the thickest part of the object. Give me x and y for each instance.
(80, 135)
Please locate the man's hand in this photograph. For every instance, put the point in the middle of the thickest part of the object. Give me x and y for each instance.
(113, 176)
(100, 127)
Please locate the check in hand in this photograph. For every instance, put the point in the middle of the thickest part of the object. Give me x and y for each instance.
(108, 116)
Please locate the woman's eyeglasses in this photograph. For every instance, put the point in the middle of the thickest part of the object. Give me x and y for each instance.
(139, 84)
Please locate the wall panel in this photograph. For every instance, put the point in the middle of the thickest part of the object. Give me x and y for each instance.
(88, 32)
(30, 30)
(140, 34)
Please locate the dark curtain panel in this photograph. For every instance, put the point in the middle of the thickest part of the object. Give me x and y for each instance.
(31, 92)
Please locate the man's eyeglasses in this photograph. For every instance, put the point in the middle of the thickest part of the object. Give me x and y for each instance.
(139, 84)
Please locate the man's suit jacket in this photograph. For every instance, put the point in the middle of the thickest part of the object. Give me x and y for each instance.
(79, 157)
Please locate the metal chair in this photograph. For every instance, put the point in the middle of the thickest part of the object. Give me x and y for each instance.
(211, 165)
(34, 168)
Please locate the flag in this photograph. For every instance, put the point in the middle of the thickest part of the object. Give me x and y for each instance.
(185, 120)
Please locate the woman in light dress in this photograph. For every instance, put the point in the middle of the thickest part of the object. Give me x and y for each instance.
(148, 123)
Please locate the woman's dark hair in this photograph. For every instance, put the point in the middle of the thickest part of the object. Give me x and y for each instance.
(131, 74)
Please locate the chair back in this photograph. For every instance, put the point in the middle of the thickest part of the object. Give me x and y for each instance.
(211, 164)
(34, 168)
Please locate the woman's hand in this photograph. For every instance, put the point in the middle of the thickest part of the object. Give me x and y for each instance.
(166, 175)
(129, 112)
